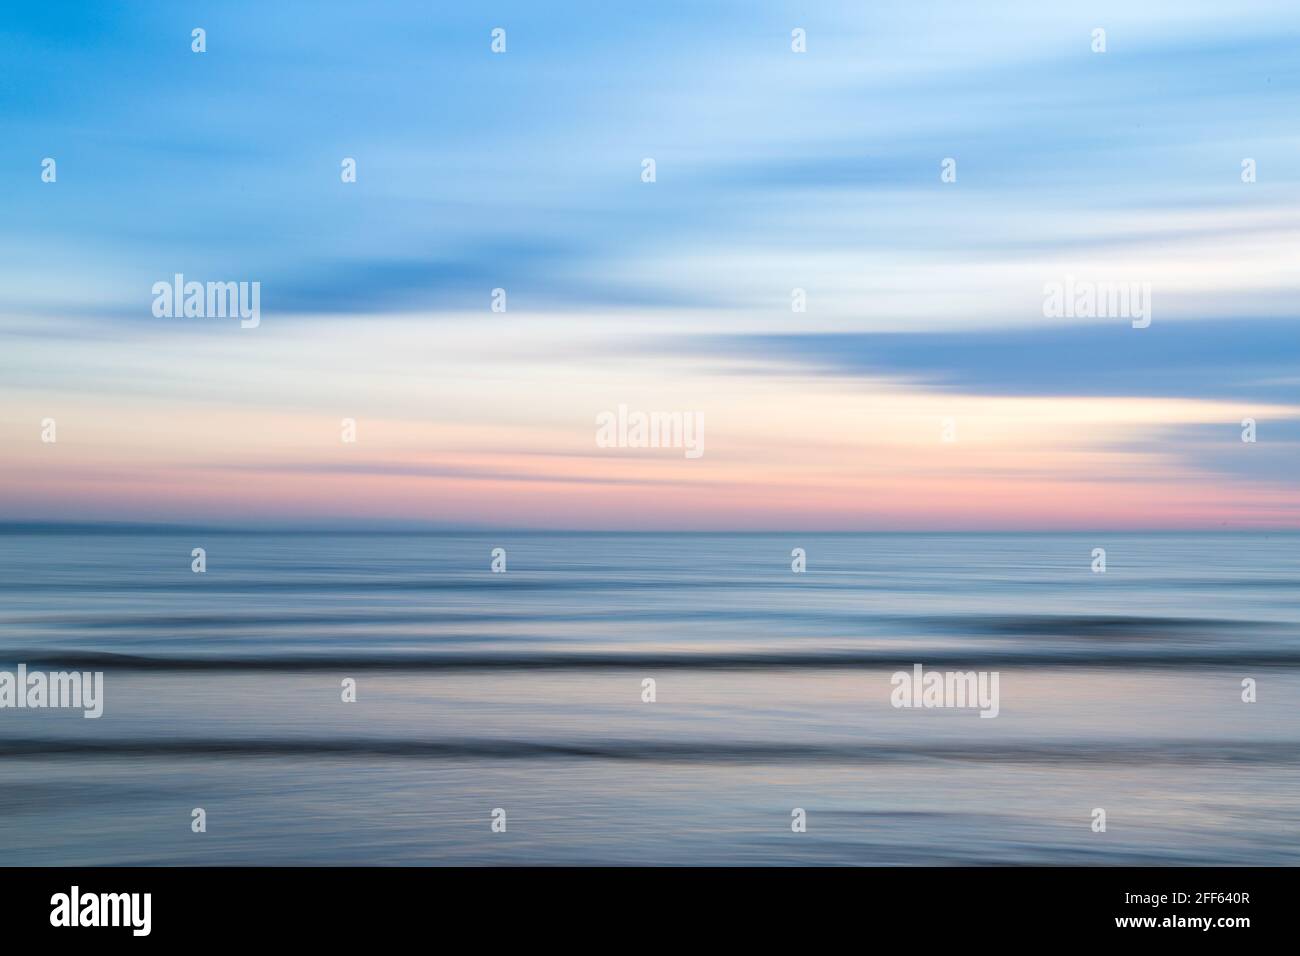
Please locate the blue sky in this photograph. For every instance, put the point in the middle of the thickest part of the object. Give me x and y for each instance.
(775, 171)
(522, 169)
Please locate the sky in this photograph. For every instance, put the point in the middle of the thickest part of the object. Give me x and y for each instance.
(922, 386)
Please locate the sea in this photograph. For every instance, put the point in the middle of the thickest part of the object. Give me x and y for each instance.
(651, 699)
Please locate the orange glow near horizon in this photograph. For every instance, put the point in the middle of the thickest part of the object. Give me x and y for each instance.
(513, 445)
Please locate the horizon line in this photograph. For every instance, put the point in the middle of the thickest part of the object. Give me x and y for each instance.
(140, 527)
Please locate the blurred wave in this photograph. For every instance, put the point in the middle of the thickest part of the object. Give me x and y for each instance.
(709, 752)
(580, 660)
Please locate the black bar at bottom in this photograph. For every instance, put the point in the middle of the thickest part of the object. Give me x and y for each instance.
(335, 905)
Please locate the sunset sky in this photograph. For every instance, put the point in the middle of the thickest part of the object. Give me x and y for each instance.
(775, 171)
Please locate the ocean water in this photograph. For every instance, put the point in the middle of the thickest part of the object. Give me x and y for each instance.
(523, 691)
